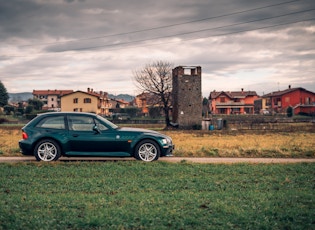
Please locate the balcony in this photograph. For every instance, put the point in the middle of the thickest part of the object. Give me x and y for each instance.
(230, 103)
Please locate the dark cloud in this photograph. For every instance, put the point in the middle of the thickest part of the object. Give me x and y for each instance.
(78, 39)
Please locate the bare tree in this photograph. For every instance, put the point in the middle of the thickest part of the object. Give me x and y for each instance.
(156, 78)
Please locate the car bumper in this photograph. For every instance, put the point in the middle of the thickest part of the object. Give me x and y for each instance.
(25, 148)
(168, 151)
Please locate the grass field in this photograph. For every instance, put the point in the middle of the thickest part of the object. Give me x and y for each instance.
(211, 144)
(251, 144)
(159, 195)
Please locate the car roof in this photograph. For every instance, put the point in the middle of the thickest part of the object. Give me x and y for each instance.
(65, 113)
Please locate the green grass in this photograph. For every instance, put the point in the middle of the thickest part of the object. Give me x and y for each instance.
(159, 195)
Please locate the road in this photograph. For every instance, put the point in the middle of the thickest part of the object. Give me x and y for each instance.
(218, 160)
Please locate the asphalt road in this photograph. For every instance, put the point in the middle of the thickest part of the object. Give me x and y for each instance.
(219, 160)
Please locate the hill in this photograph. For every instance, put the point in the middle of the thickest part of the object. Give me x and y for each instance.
(17, 97)
(125, 97)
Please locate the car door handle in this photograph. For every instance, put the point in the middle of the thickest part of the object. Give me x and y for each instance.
(75, 135)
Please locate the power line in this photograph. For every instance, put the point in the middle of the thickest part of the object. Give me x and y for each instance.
(191, 32)
(163, 27)
(188, 39)
(217, 35)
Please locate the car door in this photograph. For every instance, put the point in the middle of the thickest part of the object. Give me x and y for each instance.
(88, 134)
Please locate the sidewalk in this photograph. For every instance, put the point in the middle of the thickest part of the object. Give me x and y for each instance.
(202, 160)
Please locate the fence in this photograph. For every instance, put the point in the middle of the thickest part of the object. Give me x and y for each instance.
(258, 124)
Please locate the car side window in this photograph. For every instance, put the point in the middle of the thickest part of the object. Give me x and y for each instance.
(57, 122)
(100, 126)
(83, 123)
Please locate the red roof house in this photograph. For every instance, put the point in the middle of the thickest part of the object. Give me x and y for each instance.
(51, 98)
(300, 99)
(237, 102)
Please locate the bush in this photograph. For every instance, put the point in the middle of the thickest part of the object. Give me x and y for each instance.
(29, 109)
(3, 120)
(131, 111)
(30, 116)
(155, 112)
(8, 109)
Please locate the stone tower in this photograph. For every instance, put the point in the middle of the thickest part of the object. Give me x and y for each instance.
(187, 98)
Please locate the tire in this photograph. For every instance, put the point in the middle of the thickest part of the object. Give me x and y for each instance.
(147, 150)
(47, 150)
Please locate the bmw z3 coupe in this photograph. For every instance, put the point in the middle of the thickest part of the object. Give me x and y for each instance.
(52, 135)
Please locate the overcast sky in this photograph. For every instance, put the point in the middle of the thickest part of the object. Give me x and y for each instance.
(256, 45)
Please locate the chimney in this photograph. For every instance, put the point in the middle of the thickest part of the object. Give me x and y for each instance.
(88, 89)
(289, 86)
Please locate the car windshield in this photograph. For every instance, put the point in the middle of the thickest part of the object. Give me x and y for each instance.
(112, 125)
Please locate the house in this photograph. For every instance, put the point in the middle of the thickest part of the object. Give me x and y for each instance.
(146, 100)
(141, 101)
(91, 101)
(50, 98)
(300, 99)
(119, 103)
(237, 102)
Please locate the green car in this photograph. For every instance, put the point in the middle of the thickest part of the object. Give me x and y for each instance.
(51, 135)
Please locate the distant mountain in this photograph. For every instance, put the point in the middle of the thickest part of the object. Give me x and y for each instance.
(17, 97)
(125, 97)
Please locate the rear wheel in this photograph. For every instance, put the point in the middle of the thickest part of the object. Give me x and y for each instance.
(47, 150)
(147, 150)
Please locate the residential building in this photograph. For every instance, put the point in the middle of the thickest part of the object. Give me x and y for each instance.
(300, 99)
(236, 102)
(91, 101)
(119, 103)
(50, 98)
(144, 101)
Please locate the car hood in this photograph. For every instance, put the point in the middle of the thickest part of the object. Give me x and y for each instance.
(137, 130)
(143, 131)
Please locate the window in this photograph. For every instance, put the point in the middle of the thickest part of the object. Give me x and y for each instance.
(75, 101)
(100, 126)
(84, 123)
(307, 100)
(87, 100)
(222, 99)
(52, 123)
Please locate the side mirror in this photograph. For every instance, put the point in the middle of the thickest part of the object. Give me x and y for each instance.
(96, 130)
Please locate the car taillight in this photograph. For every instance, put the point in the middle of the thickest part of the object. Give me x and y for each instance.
(24, 135)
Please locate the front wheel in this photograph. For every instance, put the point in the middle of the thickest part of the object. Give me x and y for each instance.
(147, 150)
(47, 150)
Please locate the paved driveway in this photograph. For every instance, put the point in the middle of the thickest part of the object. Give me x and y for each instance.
(208, 160)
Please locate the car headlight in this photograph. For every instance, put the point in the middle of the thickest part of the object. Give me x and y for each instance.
(164, 141)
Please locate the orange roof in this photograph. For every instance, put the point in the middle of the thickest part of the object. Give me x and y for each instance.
(52, 92)
(233, 94)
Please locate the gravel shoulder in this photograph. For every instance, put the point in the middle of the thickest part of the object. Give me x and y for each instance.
(201, 160)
